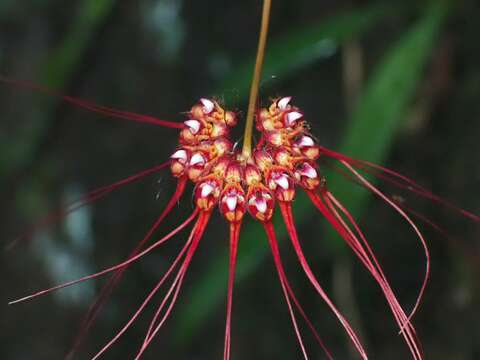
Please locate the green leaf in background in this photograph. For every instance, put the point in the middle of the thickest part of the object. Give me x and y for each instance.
(55, 74)
(384, 105)
(304, 46)
(63, 61)
(369, 134)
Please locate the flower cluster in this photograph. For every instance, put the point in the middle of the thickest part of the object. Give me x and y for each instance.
(284, 157)
(283, 160)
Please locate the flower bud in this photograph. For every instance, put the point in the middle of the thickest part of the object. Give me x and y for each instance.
(252, 175)
(260, 203)
(196, 165)
(222, 146)
(283, 158)
(292, 118)
(207, 193)
(283, 103)
(265, 121)
(263, 159)
(281, 183)
(208, 106)
(218, 129)
(179, 160)
(230, 118)
(277, 138)
(194, 126)
(202, 109)
(306, 146)
(232, 203)
(189, 134)
(234, 173)
(219, 168)
(307, 176)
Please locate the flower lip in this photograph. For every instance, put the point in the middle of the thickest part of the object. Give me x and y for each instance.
(208, 105)
(261, 204)
(232, 203)
(207, 193)
(283, 102)
(231, 200)
(193, 125)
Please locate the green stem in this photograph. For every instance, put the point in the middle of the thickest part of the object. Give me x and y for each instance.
(262, 41)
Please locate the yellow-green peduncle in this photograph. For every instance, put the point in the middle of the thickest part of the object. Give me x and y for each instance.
(252, 104)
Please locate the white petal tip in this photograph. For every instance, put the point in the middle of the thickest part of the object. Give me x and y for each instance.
(282, 181)
(193, 125)
(292, 117)
(208, 105)
(283, 102)
(207, 189)
(180, 155)
(261, 205)
(309, 171)
(306, 141)
(197, 159)
(231, 202)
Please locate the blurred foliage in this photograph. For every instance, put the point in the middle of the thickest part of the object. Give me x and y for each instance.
(56, 72)
(62, 62)
(385, 103)
(395, 77)
(303, 46)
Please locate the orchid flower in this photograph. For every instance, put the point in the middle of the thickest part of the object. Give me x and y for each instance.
(256, 180)
(283, 161)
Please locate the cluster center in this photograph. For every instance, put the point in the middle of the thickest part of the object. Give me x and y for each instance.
(283, 158)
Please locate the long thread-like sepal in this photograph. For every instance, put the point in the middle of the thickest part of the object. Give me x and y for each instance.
(174, 290)
(407, 330)
(397, 179)
(113, 268)
(234, 236)
(88, 105)
(189, 247)
(376, 191)
(288, 218)
(89, 198)
(272, 239)
(107, 289)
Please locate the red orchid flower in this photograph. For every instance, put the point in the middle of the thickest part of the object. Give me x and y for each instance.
(253, 180)
(283, 161)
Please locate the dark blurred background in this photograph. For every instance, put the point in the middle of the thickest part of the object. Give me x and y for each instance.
(396, 82)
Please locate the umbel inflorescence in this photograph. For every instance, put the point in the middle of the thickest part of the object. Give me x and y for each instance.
(283, 159)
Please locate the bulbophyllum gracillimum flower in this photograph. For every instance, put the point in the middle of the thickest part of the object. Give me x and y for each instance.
(255, 180)
(229, 182)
